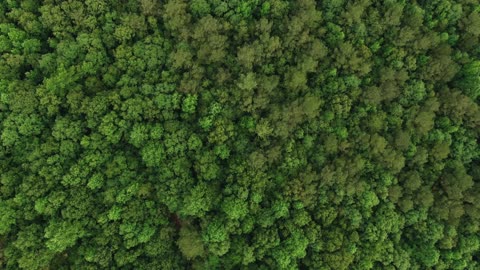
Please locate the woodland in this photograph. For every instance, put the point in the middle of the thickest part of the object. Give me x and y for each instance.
(240, 134)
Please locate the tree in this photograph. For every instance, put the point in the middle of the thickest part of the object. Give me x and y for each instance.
(62, 235)
(190, 242)
(211, 134)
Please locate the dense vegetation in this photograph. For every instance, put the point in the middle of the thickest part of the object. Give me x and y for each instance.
(229, 134)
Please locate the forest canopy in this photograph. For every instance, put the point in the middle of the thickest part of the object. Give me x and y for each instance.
(239, 134)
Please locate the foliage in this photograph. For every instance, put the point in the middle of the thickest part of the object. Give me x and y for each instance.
(256, 134)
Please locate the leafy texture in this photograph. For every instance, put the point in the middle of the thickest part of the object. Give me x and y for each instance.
(255, 134)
